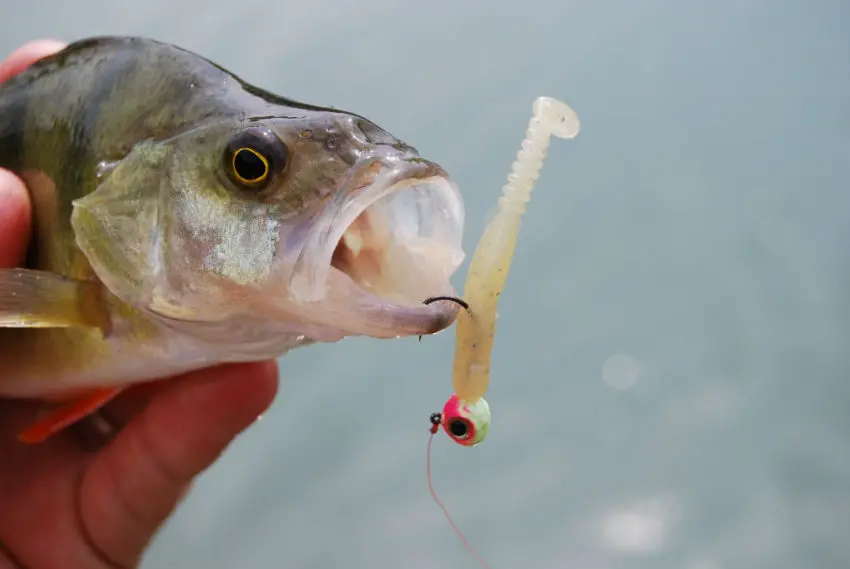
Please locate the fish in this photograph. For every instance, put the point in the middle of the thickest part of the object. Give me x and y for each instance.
(184, 218)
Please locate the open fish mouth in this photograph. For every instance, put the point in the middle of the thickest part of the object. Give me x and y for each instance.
(387, 240)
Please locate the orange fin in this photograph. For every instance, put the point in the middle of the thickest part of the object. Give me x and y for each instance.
(66, 414)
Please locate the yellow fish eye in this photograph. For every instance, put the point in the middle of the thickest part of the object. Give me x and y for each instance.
(254, 156)
(249, 166)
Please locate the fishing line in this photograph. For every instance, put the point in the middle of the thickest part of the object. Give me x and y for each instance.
(443, 508)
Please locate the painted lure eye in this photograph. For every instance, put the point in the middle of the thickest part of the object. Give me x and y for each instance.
(459, 429)
(466, 423)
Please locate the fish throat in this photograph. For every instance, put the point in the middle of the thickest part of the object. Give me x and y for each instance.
(398, 246)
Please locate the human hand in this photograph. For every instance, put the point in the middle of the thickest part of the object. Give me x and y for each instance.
(64, 505)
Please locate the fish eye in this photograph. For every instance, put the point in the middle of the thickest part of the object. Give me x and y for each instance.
(460, 428)
(249, 166)
(254, 156)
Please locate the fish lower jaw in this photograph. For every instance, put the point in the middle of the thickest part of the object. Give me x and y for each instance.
(351, 309)
(352, 305)
(377, 287)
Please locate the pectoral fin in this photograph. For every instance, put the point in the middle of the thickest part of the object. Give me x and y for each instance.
(39, 299)
(67, 414)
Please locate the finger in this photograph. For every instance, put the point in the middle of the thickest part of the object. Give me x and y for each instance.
(14, 219)
(130, 403)
(97, 430)
(26, 55)
(136, 482)
(14, 203)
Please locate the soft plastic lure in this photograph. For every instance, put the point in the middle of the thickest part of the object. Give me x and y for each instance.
(466, 415)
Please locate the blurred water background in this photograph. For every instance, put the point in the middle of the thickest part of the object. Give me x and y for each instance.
(670, 381)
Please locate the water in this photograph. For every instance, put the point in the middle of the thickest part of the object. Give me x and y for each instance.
(670, 383)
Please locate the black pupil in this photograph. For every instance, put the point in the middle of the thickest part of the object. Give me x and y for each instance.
(458, 428)
(248, 165)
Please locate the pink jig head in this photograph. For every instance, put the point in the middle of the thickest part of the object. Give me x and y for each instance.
(465, 423)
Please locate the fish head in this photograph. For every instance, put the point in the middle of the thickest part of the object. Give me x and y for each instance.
(320, 223)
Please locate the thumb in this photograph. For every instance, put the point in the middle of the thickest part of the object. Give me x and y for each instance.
(26, 55)
(14, 202)
(135, 483)
(14, 219)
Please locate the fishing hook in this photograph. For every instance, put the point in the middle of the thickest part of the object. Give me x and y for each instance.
(454, 299)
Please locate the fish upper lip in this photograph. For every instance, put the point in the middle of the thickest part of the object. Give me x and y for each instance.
(370, 182)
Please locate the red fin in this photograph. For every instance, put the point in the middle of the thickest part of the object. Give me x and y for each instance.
(66, 414)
